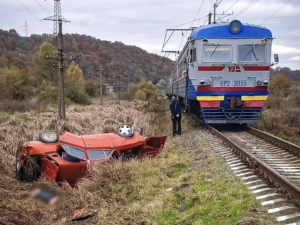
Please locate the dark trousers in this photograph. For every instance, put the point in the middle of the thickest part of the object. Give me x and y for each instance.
(177, 121)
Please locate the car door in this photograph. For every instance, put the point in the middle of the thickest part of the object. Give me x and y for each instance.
(153, 145)
(57, 168)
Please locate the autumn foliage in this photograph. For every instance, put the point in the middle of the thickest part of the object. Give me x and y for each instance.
(280, 83)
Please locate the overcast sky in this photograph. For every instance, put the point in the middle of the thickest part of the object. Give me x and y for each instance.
(144, 22)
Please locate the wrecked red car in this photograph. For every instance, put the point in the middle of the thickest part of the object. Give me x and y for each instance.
(68, 157)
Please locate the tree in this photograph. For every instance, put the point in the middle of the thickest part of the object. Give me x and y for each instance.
(44, 69)
(161, 85)
(75, 85)
(132, 90)
(75, 73)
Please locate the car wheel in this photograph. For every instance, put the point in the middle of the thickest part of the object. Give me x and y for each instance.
(125, 130)
(48, 137)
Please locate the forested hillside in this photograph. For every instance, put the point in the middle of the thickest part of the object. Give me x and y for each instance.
(116, 57)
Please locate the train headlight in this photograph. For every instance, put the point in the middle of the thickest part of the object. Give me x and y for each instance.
(206, 82)
(266, 82)
(264, 41)
(235, 27)
(259, 83)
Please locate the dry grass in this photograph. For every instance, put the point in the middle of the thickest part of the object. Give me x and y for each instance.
(18, 127)
(281, 115)
(124, 192)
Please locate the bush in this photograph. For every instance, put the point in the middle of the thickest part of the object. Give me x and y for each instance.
(132, 90)
(145, 91)
(12, 106)
(90, 88)
(77, 95)
(48, 93)
(16, 84)
(280, 84)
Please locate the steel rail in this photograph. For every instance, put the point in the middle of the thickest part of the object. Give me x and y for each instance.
(289, 147)
(285, 187)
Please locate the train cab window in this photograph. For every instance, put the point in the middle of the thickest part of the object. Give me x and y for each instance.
(217, 53)
(251, 53)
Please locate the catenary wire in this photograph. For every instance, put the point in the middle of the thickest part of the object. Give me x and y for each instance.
(276, 12)
(245, 9)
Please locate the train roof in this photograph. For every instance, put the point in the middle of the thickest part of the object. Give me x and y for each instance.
(222, 30)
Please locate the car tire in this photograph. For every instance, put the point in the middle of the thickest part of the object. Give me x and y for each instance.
(125, 130)
(48, 137)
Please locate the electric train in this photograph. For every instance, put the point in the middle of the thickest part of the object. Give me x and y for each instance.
(223, 72)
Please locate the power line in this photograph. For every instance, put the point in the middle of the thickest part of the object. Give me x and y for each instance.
(276, 11)
(189, 21)
(190, 25)
(231, 6)
(42, 7)
(197, 12)
(33, 15)
(245, 9)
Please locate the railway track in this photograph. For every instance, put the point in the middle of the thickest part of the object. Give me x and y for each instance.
(269, 166)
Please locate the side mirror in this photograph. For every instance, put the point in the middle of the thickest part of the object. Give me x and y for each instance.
(276, 58)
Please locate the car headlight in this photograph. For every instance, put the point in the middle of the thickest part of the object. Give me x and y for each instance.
(235, 27)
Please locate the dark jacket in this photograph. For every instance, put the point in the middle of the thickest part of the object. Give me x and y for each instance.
(175, 108)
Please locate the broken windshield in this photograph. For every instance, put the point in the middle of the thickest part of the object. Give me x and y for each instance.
(98, 154)
(78, 153)
(251, 53)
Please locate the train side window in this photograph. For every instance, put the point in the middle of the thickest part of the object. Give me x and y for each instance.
(193, 55)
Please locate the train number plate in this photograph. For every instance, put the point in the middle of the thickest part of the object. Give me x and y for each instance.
(235, 83)
(239, 83)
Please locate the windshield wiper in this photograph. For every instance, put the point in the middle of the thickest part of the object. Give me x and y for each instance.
(252, 50)
(214, 50)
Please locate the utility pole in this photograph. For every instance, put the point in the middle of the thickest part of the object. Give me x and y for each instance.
(119, 86)
(60, 66)
(61, 86)
(100, 84)
(127, 86)
(58, 42)
(26, 29)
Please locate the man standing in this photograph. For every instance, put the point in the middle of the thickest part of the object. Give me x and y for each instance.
(175, 108)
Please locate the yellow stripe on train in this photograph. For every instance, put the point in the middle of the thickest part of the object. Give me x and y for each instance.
(255, 98)
(210, 98)
(221, 98)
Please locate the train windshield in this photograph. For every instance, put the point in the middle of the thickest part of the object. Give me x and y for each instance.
(217, 53)
(251, 53)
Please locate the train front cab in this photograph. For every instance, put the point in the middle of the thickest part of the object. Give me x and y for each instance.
(231, 74)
